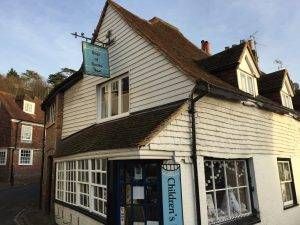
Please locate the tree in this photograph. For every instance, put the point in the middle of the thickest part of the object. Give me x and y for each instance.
(35, 84)
(12, 73)
(58, 77)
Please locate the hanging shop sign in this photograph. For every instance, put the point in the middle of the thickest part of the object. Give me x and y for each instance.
(95, 60)
(171, 194)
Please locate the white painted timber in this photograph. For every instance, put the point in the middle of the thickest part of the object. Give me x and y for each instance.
(226, 129)
(154, 80)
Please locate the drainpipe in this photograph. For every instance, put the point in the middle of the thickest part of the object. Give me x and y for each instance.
(192, 102)
(12, 178)
(42, 163)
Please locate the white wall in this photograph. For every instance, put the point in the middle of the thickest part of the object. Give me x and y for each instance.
(153, 79)
(231, 130)
(64, 215)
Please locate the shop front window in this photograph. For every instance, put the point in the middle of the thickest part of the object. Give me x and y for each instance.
(227, 190)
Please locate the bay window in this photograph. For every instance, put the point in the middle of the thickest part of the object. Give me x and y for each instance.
(114, 97)
(83, 183)
(286, 183)
(227, 190)
(71, 182)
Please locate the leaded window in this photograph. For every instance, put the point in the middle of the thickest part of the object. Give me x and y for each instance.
(286, 182)
(71, 182)
(60, 181)
(98, 183)
(227, 190)
(83, 183)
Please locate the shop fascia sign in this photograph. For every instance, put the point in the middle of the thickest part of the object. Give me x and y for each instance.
(171, 194)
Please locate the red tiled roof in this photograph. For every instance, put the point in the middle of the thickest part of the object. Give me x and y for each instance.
(16, 112)
(171, 43)
(128, 132)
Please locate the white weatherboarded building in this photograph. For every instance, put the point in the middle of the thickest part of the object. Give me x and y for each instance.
(232, 129)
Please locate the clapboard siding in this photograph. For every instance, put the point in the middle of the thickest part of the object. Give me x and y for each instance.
(79, 105)
(153, 79)
(231, 128)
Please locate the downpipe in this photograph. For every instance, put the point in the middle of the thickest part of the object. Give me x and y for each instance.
(191, 111)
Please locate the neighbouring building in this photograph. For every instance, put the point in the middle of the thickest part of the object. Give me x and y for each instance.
(21, 138)
(232, 130)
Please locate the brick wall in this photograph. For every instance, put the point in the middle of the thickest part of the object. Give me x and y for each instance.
(53, 135)
(27, 173)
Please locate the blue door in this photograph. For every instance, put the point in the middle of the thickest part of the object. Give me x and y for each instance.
(139, 193)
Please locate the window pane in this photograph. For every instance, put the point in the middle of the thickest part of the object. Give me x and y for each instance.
(208, 175)
(281, 173)
(235, 208)
(250, 85)
(286, 192)
(241, 172)
(125, 94)
(231, 174)
(219, 177)
(245, 208)
(211, 211)
(114, 98)
(104, 102)
(287, 173)
(222, 204)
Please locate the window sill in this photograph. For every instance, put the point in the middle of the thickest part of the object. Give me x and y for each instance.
(290, 206)
(85, 212)
(248, 220)
(99, 120)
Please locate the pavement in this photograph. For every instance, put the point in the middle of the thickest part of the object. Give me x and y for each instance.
(19, 206)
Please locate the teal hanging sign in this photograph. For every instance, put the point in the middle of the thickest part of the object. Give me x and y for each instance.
(95, 60)
(171, 194)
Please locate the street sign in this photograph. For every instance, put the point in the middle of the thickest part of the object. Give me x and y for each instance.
(95, 60)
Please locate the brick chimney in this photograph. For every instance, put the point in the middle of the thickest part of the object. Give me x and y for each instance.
(205, 46)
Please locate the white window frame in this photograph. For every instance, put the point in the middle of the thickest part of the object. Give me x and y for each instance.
(245, 86)
(23, 130)
(3, 151)
(30, 160)
(227, 188)
(286, 100)
(108, 86)
(70, 182)
(290, 181)
(62, 181)
(25, 107)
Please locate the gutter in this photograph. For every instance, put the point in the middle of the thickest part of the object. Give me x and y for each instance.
(191, 111)
(42, 164)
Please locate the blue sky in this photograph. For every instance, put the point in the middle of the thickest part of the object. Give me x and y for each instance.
(35, 34)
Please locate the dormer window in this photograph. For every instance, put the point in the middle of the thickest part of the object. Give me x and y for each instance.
(114, 98)
(248, 83)
(286, 92)
(28, 107)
